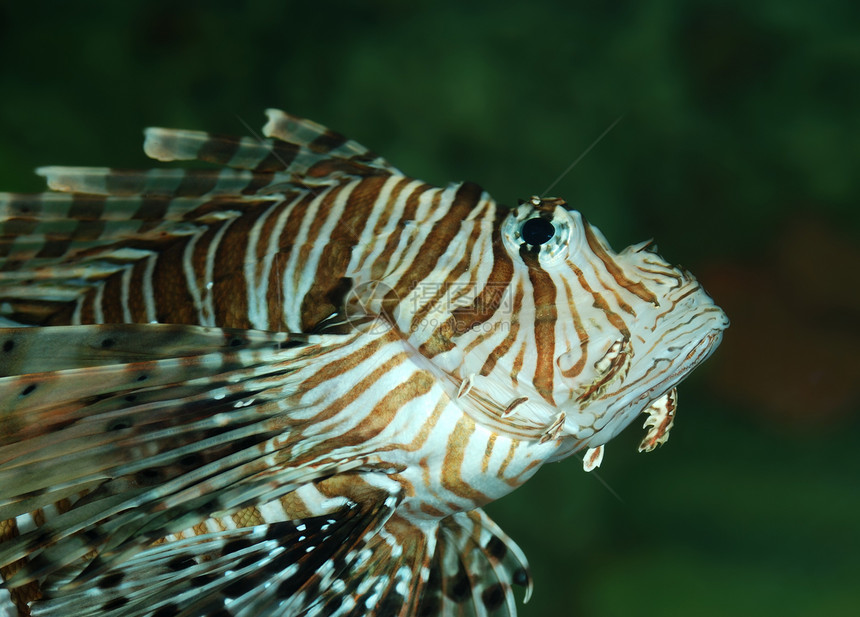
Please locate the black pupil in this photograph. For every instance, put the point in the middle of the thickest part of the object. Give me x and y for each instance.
(537, 231)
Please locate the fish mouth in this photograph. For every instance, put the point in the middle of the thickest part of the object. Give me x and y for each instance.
(685, 342)
(640, 374)
(650, 385)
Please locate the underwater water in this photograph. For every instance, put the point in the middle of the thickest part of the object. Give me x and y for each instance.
(735, 152)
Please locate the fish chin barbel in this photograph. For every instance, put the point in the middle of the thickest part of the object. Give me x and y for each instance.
(286, 385)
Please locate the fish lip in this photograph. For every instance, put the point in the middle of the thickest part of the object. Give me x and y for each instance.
(697, 349)
(698, 353)
(625, 408)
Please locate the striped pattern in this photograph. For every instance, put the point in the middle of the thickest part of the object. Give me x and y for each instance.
(286, 385)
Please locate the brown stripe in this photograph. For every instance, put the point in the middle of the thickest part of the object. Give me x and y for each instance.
(455, 454)
(525, 474)
(125, 182)
(136, 304)
(195, 183)
(246, 517)
(546, 315)
(199, 254)
(617, 273)
(87, 207)
(691, 290)
(229, 289)
(509, 458)
(19, 226)
(28, 204)
(54, 246)
(275, 292)
(518, 365)
(259, 180)
(383, 413)
(334, 370)
(485, 305)
(87, 313)
(112, 298)
(87, 231)
(601, 304)
(334, 259)
(506, 344)
(330, 166)
(576, 369)
(488, 454)
(173, 302)
(383, 262)
(200, 528)
(83, 231)
(326, 142)
(298, 203)
(455, 286)
(153, 210)
(218, 149)
(337, 406)
(321, 299)
(437, 240)
(279, 158)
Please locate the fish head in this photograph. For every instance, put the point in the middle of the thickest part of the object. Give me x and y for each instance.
(613, 332)
(550, 334)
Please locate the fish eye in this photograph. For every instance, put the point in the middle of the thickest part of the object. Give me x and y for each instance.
(542, 228)
(537, 231)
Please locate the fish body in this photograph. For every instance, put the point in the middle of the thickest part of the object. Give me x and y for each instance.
(286, 385)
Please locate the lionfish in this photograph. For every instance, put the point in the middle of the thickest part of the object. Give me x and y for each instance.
(287, 384)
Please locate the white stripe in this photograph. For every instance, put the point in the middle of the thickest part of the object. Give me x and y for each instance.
(272, 512)
(209, 277)
(292, 312)
(304, 274)
(258, 310)
(7, 608)
(191, 277)
(76, 314)
(422, 227)
(125, 292)
(98, 311)
(367, 251)
(148, 291)
(25, 522)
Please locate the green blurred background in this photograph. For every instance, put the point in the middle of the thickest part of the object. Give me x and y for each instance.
(738, 152)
